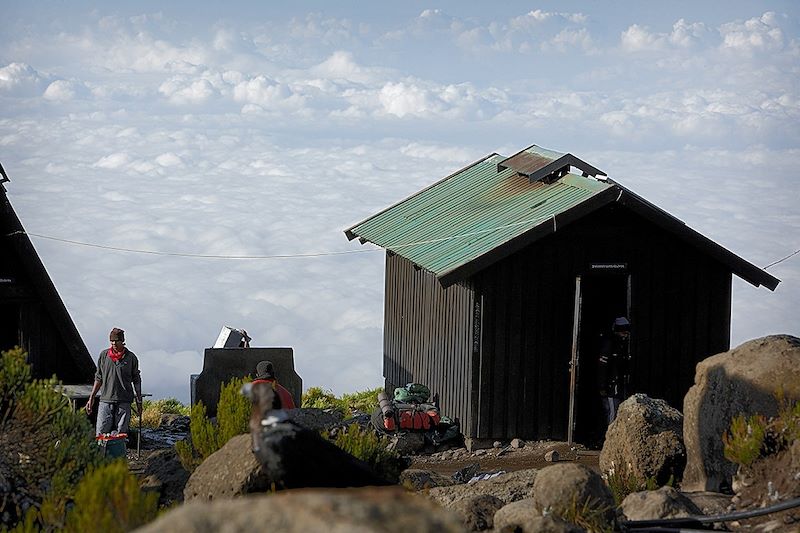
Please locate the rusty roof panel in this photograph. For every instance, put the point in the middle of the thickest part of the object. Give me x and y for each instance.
(540, 163)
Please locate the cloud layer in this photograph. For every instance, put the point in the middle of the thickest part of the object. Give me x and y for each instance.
(267, 136)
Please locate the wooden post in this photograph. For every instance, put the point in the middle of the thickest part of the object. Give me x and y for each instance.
(574, 361)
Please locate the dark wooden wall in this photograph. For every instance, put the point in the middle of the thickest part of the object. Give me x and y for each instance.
(497, 349)
(33, 315)
(428, 336)
(680, 310)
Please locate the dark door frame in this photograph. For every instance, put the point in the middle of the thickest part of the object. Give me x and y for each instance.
(574, 364)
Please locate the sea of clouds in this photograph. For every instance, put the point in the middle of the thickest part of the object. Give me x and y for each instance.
(240, 136)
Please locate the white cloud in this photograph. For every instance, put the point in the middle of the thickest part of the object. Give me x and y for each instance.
(401, 99)
(20, 79)
(187, 91)
(113, 161)
(758, 34)
(341, 65)
(637, 38)
(169, 159)
(267, 93)
(567, 39)
(61, 90)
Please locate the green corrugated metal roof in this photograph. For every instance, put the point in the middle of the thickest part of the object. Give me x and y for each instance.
(472, 212)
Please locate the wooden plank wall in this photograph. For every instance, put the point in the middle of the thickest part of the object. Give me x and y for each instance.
(680, 314)
(428, 336)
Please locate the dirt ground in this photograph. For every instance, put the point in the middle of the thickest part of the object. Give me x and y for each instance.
(507, 458)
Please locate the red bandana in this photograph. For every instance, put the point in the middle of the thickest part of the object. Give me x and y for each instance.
(115, 355)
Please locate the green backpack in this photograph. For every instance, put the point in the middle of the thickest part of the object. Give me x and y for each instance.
(412, 393)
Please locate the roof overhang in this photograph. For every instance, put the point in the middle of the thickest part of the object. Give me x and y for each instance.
(618, 194)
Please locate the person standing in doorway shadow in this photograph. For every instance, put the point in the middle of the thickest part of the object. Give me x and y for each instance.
(612, 367)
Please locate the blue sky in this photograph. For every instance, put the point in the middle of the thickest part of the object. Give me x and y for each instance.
(266, 129)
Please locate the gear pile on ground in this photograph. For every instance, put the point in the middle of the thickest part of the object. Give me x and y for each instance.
(411, 411)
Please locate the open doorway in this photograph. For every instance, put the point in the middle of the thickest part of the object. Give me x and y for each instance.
(603, 297)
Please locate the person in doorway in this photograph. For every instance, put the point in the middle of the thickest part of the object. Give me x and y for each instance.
(612, 367)
(119, 381)
(265, 373)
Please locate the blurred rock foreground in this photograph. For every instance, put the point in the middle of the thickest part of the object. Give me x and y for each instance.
(650, 436)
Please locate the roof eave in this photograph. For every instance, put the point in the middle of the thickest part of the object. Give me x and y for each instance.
(744, 269)
(617, 193)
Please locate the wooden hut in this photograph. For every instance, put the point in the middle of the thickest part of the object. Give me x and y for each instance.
(501, 277)
(32, 314)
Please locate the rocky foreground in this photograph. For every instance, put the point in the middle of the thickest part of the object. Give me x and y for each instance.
(649, 440)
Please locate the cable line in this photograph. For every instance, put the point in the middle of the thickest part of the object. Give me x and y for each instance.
(196, 256)
(782, 260)
(311, 254)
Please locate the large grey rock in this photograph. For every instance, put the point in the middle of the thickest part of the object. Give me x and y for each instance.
(477, 513)
(741, 381)
(417, 479)
(369, 510)
(665, 502)
(645, 441)
(164, 473)
(559, 486)
(523, 521)
(710, 503)
(513, 516)
(508, 487)
(231, 471)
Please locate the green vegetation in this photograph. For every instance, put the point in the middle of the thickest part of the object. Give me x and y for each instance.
(366, 445)
(589, 515)
(752, 437)
(153, 409)
(46, 449)
(622, 482)
(206, 437)
(109, 499)
(348, 405)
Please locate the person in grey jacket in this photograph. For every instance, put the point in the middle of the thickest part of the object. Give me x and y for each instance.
(119, 382)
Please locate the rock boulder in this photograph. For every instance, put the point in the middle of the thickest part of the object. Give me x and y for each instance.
(303, 510)
(645, 441)
(741, 381)
(559, 486)
(665, 502)
(231, 471)
(477, 513)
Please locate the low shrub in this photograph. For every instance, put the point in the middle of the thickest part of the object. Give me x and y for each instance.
(621, 483)
(45, 446)
(206, 437)
(589, 515)
(153, 409)
(348, 405)
(366, 445)
(752, 437)
(109, 499)
(318, 398)
(745, 439)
